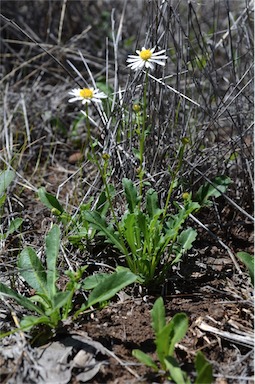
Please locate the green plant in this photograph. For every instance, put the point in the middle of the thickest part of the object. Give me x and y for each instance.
(215, 188)
(49, 303)
(77, 227)
(167, 335)
(144, 236)
(151, 239)
(6, 178)
(248, 260)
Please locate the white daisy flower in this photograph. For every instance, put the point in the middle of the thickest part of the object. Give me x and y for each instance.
(146, 58)
(86, 95)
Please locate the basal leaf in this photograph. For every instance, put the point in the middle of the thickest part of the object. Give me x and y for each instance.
(152, 204)
(32, 270)
(180, 325)
(21, 300)
(52, 251)
(132, 233)
(204, 369)
(6, 177)
(162, 343)
(92, 281)
(108, 287)
(100, 224)
(177, 375)
(60, 299)
(144, 359)
(30, 321)
(248, 261)
(215, 188)
(158, 315)
(42, 299)
(49, 200)
(14, 225)
(131, 194)
(183, 243)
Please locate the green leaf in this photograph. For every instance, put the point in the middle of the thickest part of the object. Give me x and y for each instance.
(131, 232)
(102, 205)
(169, 335)
(158, 315)
(93, 280)
(144, 359)
(14, 225)
(100, 224)
(177, 375)
(152, 204)
(108, 287)
(131, 194)
(21, 300)
(183, 243)
(215, 189)
(144, 229)
(204, 370)
(49, 200)
(180, 325)
(2, 199)
(60, 299)
(6, 177)
(162, 343)
(44, 300)
(136, 153)
(52, 251)
(30, 321)
(248, 261)
(32, 270)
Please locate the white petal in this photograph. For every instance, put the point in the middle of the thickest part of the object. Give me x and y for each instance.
(139, 64)
(132, 57)
(149, 65)
(159, 52)
(75, 92)
(158, 58)
(157, 62)
(133, 60)
(74, 99)
(136, 64)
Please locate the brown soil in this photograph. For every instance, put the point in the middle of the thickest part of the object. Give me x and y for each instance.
(126, 325)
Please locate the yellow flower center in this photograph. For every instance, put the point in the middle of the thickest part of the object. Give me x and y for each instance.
(145, 54)
(86, 93)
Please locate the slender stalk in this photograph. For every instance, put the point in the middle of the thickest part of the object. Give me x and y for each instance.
(142, 135)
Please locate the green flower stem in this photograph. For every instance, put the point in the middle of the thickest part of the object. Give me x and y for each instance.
(142, 135)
